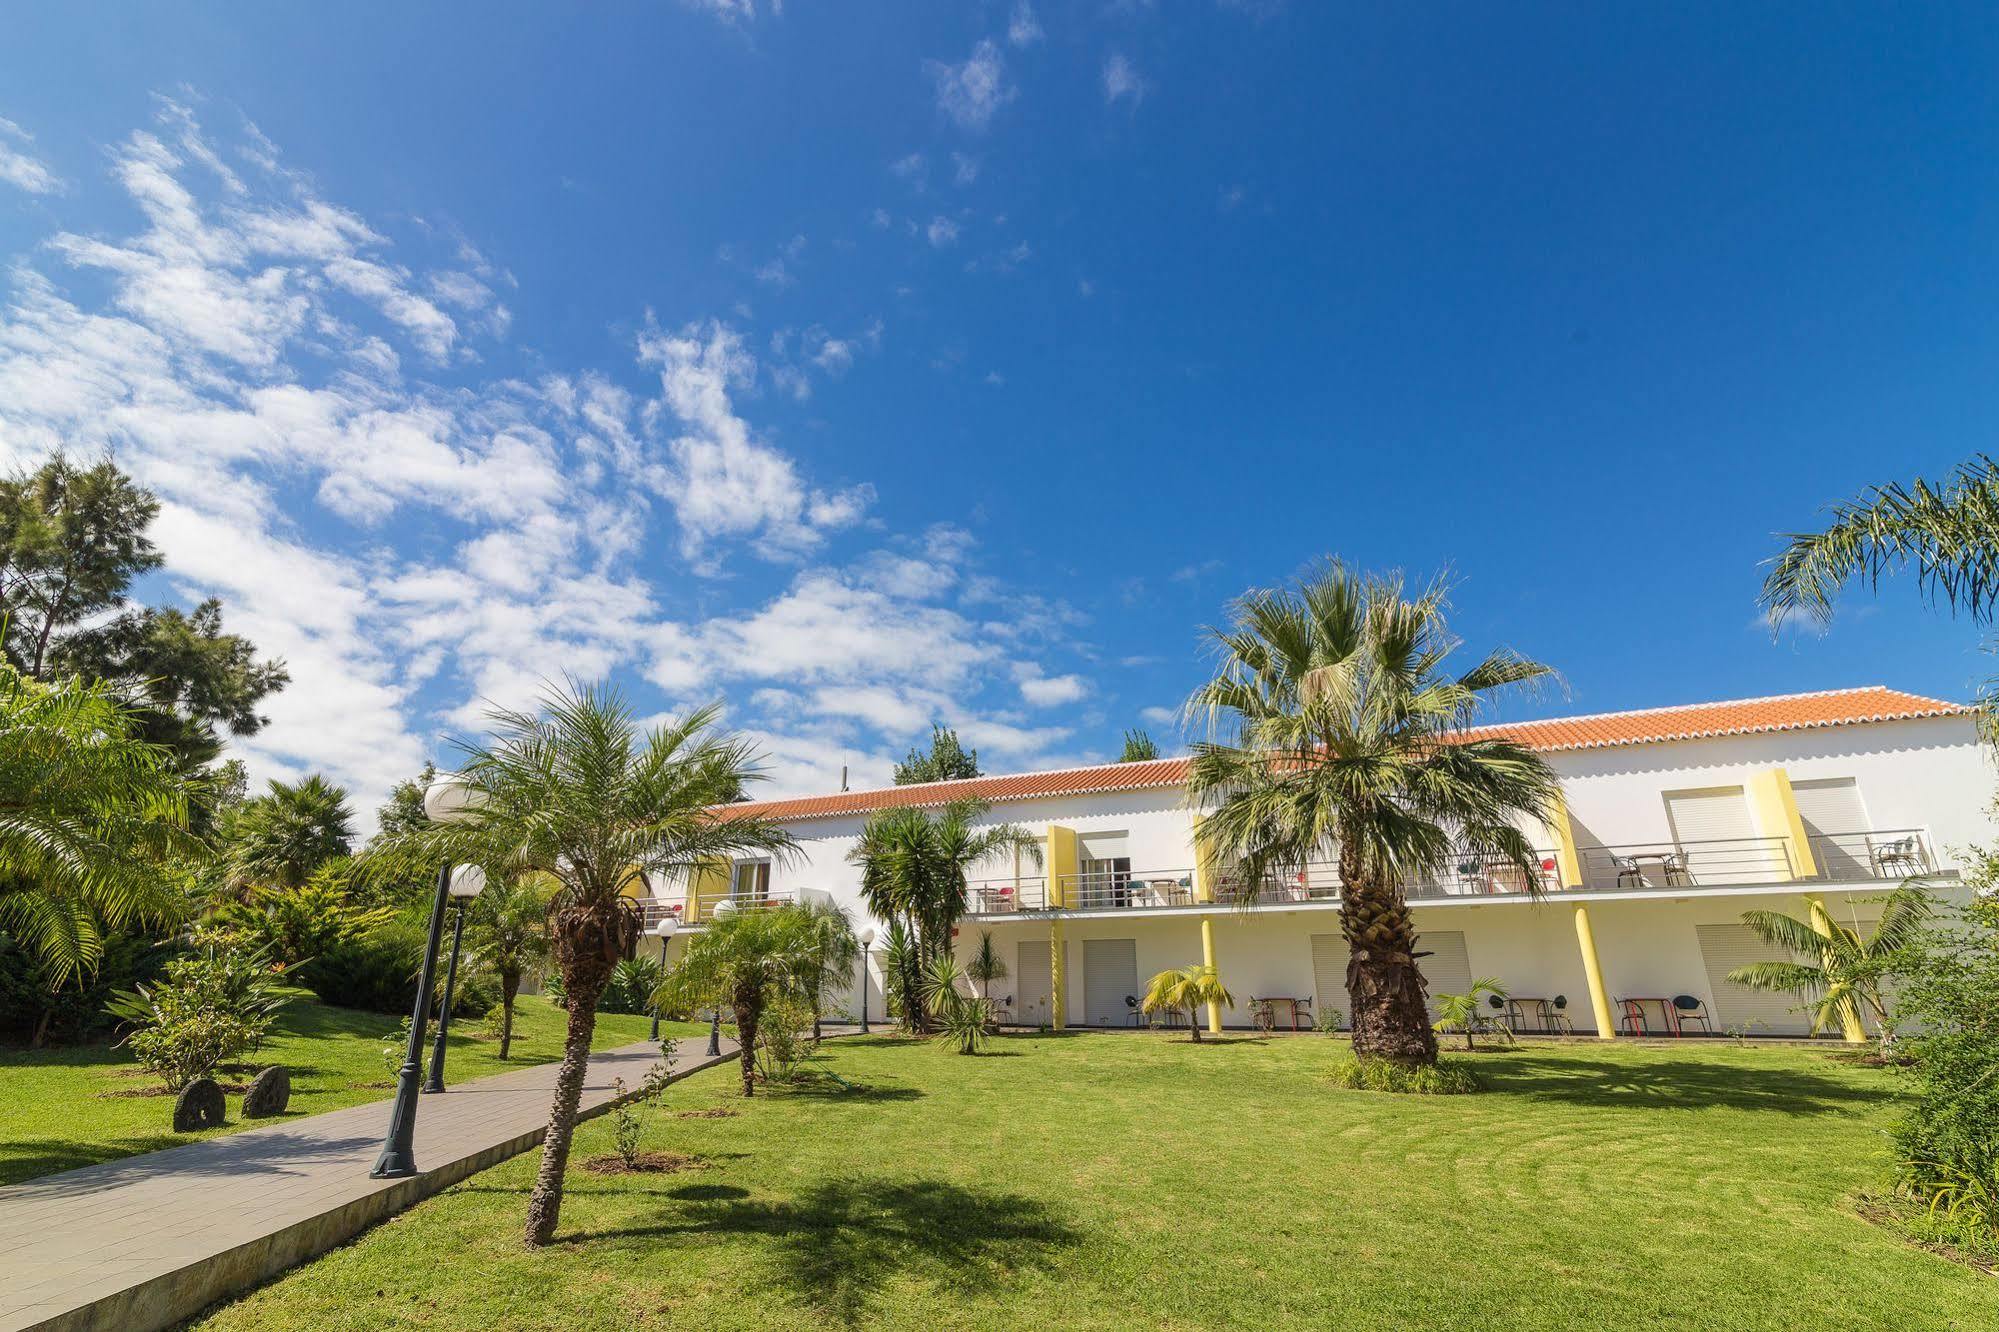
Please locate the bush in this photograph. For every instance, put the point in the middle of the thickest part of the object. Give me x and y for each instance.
(1446, 1077)
(210, 1005)
(782, 1032)
(76, 1012)
(1947, 1144)
(376, 972)
(296, 924)
(632, 986)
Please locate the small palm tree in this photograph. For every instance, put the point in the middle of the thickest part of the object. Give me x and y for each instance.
(577, 793)
(833, 933)
(510, 933)
(1846, 981)
(1187, 990)
(279, 838)
(1464, 1012)
(744, 962)
(88, 811)
(987, 966)
(1340, 736)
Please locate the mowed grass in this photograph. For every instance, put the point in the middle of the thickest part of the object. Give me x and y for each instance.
(64, 1108)
(1107, 1181)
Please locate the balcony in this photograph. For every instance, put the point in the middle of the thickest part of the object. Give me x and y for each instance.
(698, 909)
(1662, 867)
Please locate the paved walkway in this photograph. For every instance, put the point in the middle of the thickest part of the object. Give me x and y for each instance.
(141, 1243)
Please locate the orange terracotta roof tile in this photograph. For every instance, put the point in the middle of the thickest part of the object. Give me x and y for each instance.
(1694, 721)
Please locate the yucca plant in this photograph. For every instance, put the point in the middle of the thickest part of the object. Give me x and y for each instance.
(1466, 1012)
(987, 967)
(964, 1021)
(1186, 990)
(1844, 974)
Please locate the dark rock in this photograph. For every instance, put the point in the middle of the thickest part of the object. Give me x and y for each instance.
(268, 1095)
(200, 1105)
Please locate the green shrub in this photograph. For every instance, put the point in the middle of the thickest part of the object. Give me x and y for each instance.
(1446, 1077)
(1947, 1144)
(75, 1011)
(376, 972)
(782, 1032)
(633, 983)
(296, 924)
(210, 1006)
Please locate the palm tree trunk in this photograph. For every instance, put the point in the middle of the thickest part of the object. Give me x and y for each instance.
(545, 1203)
(1383, 981)
(510, 985)
(748, 1011)
(1194, 1023)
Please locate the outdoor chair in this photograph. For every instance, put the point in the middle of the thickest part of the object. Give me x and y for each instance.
(1633, 1022)
(1901, 856)
(1687, 1008)
(1629, 872)
(1134, 1016)
(1553, 1019)
(1677, 874)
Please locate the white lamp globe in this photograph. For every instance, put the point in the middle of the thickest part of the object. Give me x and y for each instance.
(666, 927)
(868, 937)
(467, 882)
(451, 798)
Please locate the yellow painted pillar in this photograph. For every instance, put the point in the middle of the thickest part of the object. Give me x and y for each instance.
(1204, 865)
(1567, 861)
(1062, 863)
(1208, 959)
(1849, 1012)
(1775, 808)
(1058, 1000)
(707, 884)
(1599, 998)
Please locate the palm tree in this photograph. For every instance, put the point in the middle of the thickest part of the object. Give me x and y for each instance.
(510, 934)
(87, 813)
(1187, 990)
(575, 792)
(1462, 1012)
(1846, 982)
(744, 961)
(1948, 531)
(986, 965)
(1341, 737)
(914, 868)
(278, 839)
(837, 948)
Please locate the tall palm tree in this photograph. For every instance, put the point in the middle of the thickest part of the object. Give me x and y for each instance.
(1186, 990)
(279, 838)
(837, 951)
(575, 792)
(87, 813)
(1340, 736)
(510, 935)
(1846, 980)
(915, 868)
(744, 961)
(1948, 531)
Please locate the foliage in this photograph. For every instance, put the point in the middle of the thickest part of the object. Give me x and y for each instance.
(211, 1004)
(72, 540)
(1947, 1142)
(1339, 735)
(88, 812)
(33, 1009)
(964, 1021)
(1446, 1077)
(633, 983)
(281, 838)
(375, 972)
(750, 963)
(297, 924)
(509, 933)
(1468, 1012)
(578, 793)
(1187, 990)
(1845, 979)
(1948, 531)
(987, 966)
(914, 870)
(901, 973)
(631, 1110)
(838, 950)
(1327, 1021)
(781, 1044)
(1138, 747)
(945, 761)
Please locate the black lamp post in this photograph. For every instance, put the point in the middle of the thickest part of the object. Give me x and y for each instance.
(464, 892)
(444, 801)
(867, 942)
(663, 931)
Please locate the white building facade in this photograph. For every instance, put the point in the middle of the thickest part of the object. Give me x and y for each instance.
(1676, 821)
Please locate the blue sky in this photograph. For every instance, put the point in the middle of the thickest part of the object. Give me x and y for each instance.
(861, 365)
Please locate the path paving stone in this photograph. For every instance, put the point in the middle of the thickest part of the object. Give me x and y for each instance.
(143, 1242)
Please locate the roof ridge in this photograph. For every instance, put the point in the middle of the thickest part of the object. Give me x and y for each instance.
(983, 777)
(1713, 703)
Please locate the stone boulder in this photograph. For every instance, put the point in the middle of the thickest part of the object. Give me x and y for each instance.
(268, 1095)
(200, 1105)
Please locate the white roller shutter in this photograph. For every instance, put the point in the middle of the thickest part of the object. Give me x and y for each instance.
(1713, 814)
(1329, 977)
(1031, 988)
(1110, 974)
(1448, 968)
(1104, 845)
(1723, 949)
(1836, 824)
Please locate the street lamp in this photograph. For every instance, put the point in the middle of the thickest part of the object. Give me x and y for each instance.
(448, 800)
(467, 882)
(867, 942)
(663, 932)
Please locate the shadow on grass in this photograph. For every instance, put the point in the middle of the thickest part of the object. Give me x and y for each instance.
(836, 1245)
(28, 1158)
(1668, 1083)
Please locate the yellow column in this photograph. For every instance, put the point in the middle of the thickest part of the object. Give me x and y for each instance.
(707, 884)
(1204, 865)
(1599, 998)
(1567, 861)
(1058, 1002)
(1208, 958)
(1061, 864)
(1776, 812)
(1849, 1011)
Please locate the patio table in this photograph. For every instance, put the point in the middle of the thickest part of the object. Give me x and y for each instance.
(1634, 1015)
(1268, 1005)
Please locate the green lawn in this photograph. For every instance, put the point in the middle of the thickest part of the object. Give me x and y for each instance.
(60, 1108)
(1118, 1182)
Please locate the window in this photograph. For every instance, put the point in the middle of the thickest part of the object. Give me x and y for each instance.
(751, 881)
(1104, 862)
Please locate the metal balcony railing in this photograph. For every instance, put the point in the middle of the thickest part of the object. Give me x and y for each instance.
(1900, 853)
(700, 908)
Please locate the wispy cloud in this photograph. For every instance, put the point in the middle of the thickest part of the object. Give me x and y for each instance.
(1023, 29)
(20, 168)
(972, 92)
(1122, 81)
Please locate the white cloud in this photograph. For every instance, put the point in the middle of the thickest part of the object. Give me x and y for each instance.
(732, 12)
(1159, 716)
(1054, 690)
(1121, 80)
(1023, 29)
(964, 168)
(19, 167)
(942, 231)
(971, 93)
